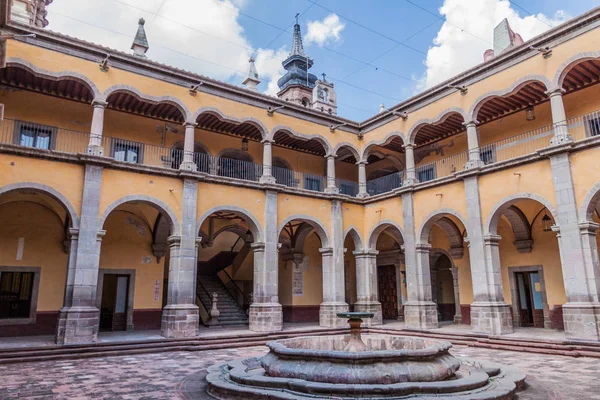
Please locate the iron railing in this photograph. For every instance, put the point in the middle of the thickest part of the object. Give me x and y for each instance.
(516, 146)
(385, 184)
(44, 137)
(584, 126)
(347, 187)
(442, 167)
(301, 180)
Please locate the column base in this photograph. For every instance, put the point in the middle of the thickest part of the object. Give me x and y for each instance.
(362, 195)
(188, 166)
(266, 317)
(410, 182)
(180, 321)
(420, 315)
(458, 319)
(95, 150)
(472, 164)
(328, 315)
(330, 189)
(561, 139)
(77, 325)
(582, 320)
(267, 179)
(491, 318)
(373, 307)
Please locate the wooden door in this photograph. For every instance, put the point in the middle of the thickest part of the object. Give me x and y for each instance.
(113, 311)
(388, 295)
(524, 292)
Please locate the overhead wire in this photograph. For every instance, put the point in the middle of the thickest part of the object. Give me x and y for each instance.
(530, 13)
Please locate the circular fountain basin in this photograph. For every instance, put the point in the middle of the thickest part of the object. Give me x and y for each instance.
(387, 360)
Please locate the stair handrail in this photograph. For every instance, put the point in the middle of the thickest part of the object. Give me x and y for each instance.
(207, 295)
(235, 285)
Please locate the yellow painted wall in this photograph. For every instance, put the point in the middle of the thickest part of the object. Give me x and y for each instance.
(290, 205)
(588, 176)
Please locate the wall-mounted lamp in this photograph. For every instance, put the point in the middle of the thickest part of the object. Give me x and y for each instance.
(530, 113)
(244, 144)
(332, 128)
(272, 110)
(104, 64)
(194, 88)
(546, 223)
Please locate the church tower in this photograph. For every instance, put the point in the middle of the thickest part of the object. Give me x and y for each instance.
(30, 12)
(324, 98)
(297, 84)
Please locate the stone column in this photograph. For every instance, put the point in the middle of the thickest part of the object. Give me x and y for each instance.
(458, 311)
(266, 313)
(367, 296)
(95, 144)
(362, 180)
(267, 175)
(411, 173)
(489, 312)
(79, 318)
(581, 273)
(188, 163)
(331, 187)
(180, 316)
(559, 117)
(473, 143)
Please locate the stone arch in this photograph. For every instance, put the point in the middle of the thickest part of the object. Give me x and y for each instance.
(317, 225)
(512, 89)
(282, 161)
(491, 225)
(412, 133)
(436, 252)
(56, 76)
(234, 228)
(236, 154)
(197, 145)
(356, 238)
(175, 102)
(53, 193)
(566, 66)
(379, 228)
(382, 142)
(161, 206)
(350, 146)
(264, 132)
(590, 203)
(251, 220)
(455, 236)
(321, 139)
(521, 228)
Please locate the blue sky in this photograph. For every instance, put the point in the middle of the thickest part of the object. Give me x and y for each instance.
(215, 37)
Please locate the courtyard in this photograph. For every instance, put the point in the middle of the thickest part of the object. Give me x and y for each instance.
(179, 375)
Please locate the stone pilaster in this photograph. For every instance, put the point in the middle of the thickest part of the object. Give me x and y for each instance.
(458, 311)
(581, 313)
(266, 314)
(79, 319)
(95, 144)
(489, 312)
(331, 186)
(473, 143)
(188, 163)
(367, 296)
(559, 117)
(362, 180)
(267, 175)
(419, 311)
(180, 316)
(411, 173)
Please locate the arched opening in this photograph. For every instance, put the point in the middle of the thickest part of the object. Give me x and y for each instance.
(134, 258)
(305, 102)
(532, 276)
(310, 173)
(35, 246)
(226, 262)
(235, 163)
(385, 165)
(387, 240)
(346, 170)
(442, 283)
(301, 270)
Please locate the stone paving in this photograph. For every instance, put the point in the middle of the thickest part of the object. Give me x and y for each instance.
(163, 375)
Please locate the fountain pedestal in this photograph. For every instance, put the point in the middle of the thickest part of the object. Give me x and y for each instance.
(355, 319)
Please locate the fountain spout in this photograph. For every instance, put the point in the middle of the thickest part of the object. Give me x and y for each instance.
(355, 319)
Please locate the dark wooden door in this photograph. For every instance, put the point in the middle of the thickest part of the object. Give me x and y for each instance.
(388, 295)
(525, 298)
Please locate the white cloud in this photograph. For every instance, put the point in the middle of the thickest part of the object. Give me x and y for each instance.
(326, 31)
(202, 36)
(455, 50)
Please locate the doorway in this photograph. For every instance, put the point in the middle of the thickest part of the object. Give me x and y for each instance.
(531, 310)
(114, 304)
(388, 294)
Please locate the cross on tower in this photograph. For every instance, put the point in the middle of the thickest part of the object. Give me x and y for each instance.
(324, 75)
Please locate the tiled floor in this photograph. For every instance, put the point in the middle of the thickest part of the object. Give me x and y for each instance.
(160, 376)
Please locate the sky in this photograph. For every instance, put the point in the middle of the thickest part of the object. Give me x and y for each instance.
(375, 52)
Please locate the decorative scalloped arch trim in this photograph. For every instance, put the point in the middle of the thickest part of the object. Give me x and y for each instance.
(512, 89)
(353, 149)
(312, 221)
(42, 73)
(246, 215)
(491, 224)
(248, 120)
(185, 112)
(432, 218)
(566, 66)
(302, 136)
(440, 118)
(153, 201)
(379, 228)
(55, 194)
(390, 136)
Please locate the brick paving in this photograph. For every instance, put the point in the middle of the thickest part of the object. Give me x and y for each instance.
(162, 375)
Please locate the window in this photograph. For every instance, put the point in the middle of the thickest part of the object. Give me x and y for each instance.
(16, 292)
(426, 173)
(593, 125)
(34, 135)
(124, 150)
(312, 184)
(488, 156)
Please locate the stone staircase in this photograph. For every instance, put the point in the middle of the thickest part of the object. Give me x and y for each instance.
(231, 312)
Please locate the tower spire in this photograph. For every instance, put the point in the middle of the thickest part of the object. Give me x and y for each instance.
(297, 47)
(252, 80)
(140, 42)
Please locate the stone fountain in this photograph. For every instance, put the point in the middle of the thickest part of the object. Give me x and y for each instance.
(369, 366)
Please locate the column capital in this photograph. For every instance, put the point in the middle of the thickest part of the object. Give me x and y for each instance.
(190, 124)
(73, 233)
(423, 247)
(408, 146)
(268, 141)
(362, 162)
(588, 227)
(326, 251)
(471, 123)
(258, 247)
(174, 240)
(557, 91)
(454, 272)
(99, 103)
(492, 239)
(365, 253)
(100, 234)
(330, 156)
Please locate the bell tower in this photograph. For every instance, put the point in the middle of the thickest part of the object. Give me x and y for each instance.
(323, 97)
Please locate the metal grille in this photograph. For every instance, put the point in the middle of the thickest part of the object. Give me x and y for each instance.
(385, 183)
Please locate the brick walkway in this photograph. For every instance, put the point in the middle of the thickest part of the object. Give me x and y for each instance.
(160, 376)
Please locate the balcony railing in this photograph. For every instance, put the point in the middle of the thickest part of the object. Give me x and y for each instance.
(516, 146)
(301, 180)
(349, 188)
(442, 167)
(584, 126)
(29, 134)
(385, 183)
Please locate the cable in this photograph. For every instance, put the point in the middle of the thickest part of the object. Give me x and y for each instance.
(530, 13)
(293, 23)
